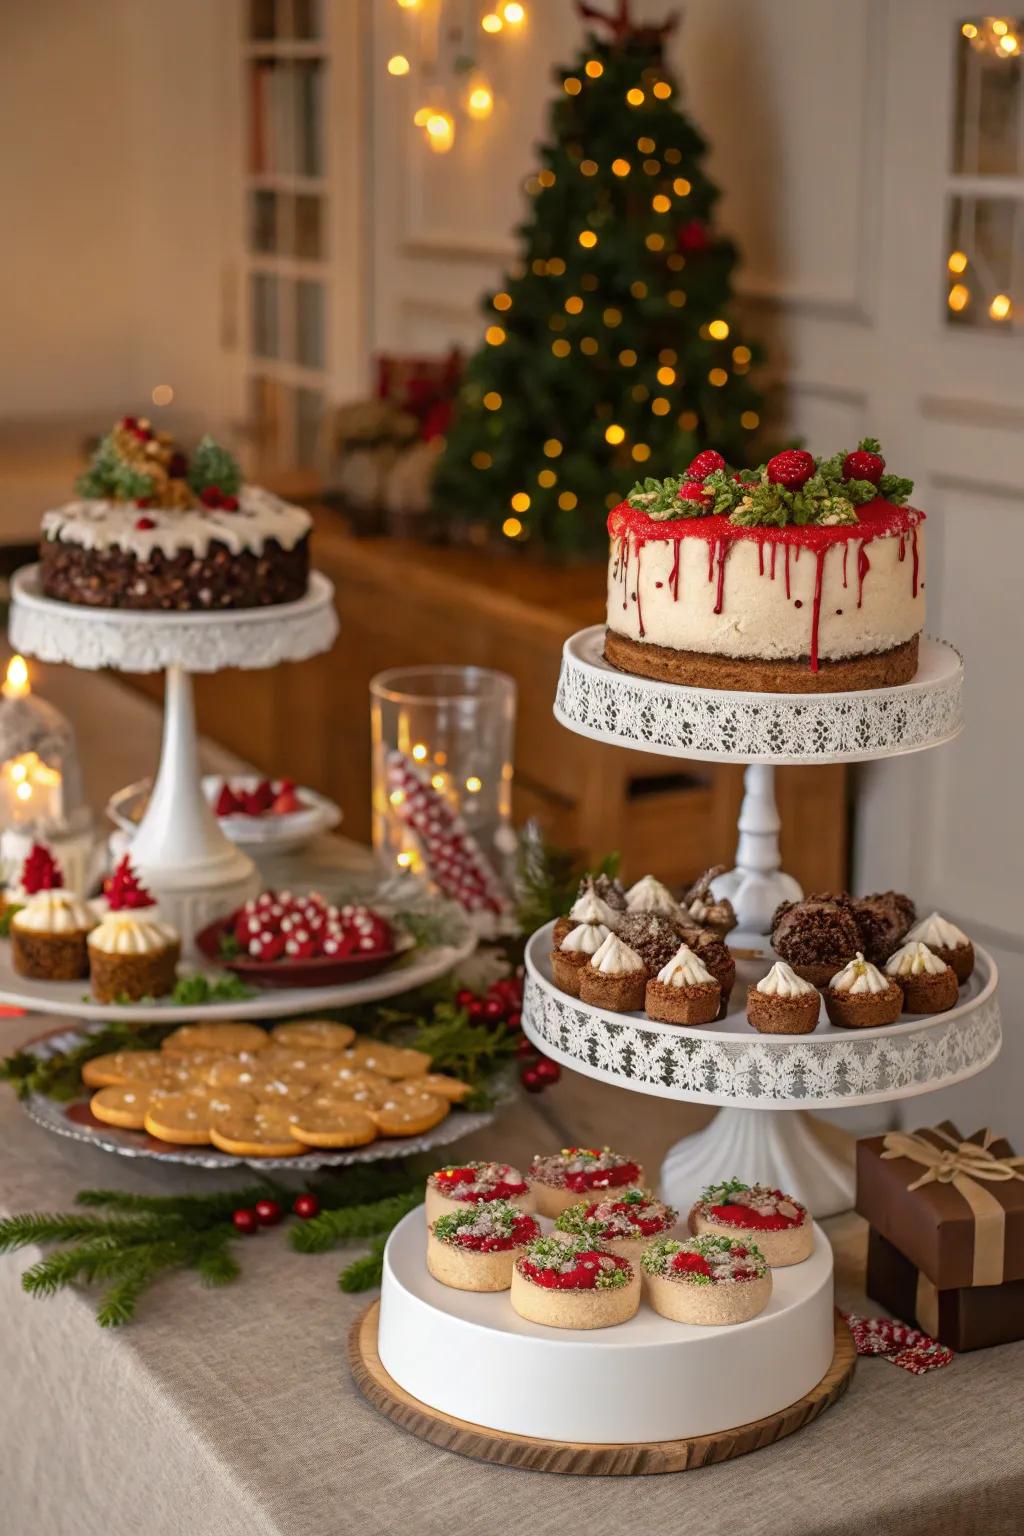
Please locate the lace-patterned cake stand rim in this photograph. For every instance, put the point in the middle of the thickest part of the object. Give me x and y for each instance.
(597, 700)
(142, 641)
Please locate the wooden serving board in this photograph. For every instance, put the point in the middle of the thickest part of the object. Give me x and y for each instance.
(581, 1460)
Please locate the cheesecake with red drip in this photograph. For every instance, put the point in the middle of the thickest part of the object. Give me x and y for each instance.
(779, 1225)
(803, 576)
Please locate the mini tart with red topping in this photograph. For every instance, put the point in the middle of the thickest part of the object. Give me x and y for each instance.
(622, 1224)
(568, 1282)
(780, 1225)
(474, 1249)
(706, 1280)
(453, 1188)
(564, 1178)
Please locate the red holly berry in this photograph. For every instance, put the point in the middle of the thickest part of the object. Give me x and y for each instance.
(211, 496)
(791, 469)
(524, 1049)
(229, 503)
(268, 1212)
(464, 997)
(531, 1080)
(306, 1206)
(705, 464)
(246, 1221)
(144, 523)
(547, 1070)
(475, 1009)
(226, 803)
(177, 466)
(693, 490)
(493, 1009)
(693, 237)
(514, 1021)
(863, 465)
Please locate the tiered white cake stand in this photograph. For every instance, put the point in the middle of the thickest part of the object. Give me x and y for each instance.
(750, 1075)
(196, 874)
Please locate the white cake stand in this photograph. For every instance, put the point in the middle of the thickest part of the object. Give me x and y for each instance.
(196, 874)
(750, 1075)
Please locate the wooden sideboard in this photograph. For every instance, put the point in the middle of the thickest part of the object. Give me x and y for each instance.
(403, 603)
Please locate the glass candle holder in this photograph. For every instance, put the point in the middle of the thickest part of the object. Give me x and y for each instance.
(442, 779)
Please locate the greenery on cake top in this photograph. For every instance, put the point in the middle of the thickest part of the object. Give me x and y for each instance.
(137, 463)
(721, 1194)
(212, 465)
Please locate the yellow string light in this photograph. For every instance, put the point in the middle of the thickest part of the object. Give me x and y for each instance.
(741, 355)
(717, 377)
(573, 304)
(719, 329)
(520, 502)
(635, 97)
(645, 146)
(957, 262)
(660, 203)
(421, 115)
(589, 346)
(594, 68)
(662, 90)
(492, 400)
(546, 178)
(666, 376)
(652, 167)
(419, 752)
(638, 290)
(749, 420)
(502, 301)
(588, 167)
(571, 86)
(567, 500)
(561, 348)
(959, 297)
(655, 242)
(639, 393)
(675, 262)
(681, 187)
(481, 459)
(668, 355)
(660, 406)
(621, 167)
(514, 13)
(672, 155)
(511, 527)
(552, 448)
(1001, 307)
(676, 297)
(1000, 28)
(480, 102)
(627, 357)
(614, 434)
(612, 317)
(547, 478)
(494, 335)
(969, 29)
(539, 267)
(641, 452)
(491, 23)
(587, 239)
(440, 132)
(398, 64)
(556, 266)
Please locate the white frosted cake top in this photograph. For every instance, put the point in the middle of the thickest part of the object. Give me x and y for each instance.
(141, 530)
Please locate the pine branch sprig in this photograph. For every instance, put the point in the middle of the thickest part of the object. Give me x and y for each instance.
(365, 1272)
(325, 1231)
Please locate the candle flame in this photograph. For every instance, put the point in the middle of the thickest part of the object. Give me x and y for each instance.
(16, 684)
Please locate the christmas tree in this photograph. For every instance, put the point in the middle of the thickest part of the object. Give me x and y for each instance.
(609, 353)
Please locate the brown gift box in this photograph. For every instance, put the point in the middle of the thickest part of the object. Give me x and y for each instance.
(947, 1216)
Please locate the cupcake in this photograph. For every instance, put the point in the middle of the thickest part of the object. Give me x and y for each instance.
(475, 1248)
(778, 1224)
(649, 895)
(49, 930)
(719, 961)
(614, 978)
(699, 903)
(782, 1003)
(131, 954)
(562, 1178)
(568, 1283)
(706, 1280)
(860, 997)
(607, 888)
(587, 908)
(927, 984)
(683, 992)
(817, 937)
(623, 1224)
(459, 1185)
(575, 952)
(945, 940)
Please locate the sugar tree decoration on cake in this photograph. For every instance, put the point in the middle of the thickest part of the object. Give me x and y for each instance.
(609, 344)
(136, 463)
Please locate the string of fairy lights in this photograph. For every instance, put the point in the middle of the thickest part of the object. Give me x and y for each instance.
(642, 157)
(471, 90)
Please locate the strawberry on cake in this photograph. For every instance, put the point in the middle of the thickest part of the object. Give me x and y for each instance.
(562, 1178)
(475, 1248)
(453, 1188)
(805, 575)
(623, 1224)
(569, 1283)
(706, 1280)
(778, 1224)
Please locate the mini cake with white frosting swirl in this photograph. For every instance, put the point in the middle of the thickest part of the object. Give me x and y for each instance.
(614, 977)
(649, 895)
(49, 931)
(860, 997)
(927, 983)
(684, 991)
(576, 950)
(947, 941)
(783, 1003)
(131, 954)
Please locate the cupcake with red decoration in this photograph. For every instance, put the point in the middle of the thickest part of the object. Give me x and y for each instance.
(459, 1185)
(131, 953)
(564, 1178)
(780, 1225)
(475, 1248)
(706, 1280)
(567, 1282)
(50, 928)
(623, 1224)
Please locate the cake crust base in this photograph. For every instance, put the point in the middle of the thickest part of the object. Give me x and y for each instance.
(789, 1245)
(574, 1309)
(751, 674)
(133, 976)
(708, 1305)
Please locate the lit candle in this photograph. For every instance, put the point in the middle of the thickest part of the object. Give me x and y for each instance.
(15, 684)
(30, 790)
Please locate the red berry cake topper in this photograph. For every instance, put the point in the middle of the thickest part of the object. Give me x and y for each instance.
(124, 890)
(706, 463)
(40, 871)
(865, 462)
(693, 490)
(792, 468)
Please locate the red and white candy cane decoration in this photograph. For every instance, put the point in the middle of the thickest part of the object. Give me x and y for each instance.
(451, 856)
(900, 1344)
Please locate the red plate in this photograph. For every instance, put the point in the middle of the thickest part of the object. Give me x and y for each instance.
(320, 971)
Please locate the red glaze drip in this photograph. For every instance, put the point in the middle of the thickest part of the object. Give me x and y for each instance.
(863, 566)
(582, 1179)
(582, 1277)
(639, 606)
(846, 553)
(787, 570)
(673, 579)
(524, 1231)
(760, 559)
(775, 550)
(913, 546)
(721, 550)
(903, 547)
(816, 616)
(746, 1216)
(711, 560)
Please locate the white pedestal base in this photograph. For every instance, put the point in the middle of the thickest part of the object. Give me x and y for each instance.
(649, 1379)
(758, 883)
(760, 1146)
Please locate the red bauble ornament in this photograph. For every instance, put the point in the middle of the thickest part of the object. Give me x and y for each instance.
(547, 1070)
(705, 464)
(245, 1221)
(791, 469)
(530, 1079)
(862, 465)
(693, 237)
(268, 1212)
(692, 490)
(306, 1206)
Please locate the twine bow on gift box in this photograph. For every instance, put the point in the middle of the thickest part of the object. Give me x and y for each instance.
(967, 1166)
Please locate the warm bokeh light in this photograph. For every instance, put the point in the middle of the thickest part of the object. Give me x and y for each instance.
(959, 297)
(556, 266)
(589, 346)
(614, 434)
(398, 64)
(480, 102)
(573, 304)
(502, 301)
(419, 751)
(514, 13)
(474, 785)
(750, 420)
(969, 29)
(957, 262)
(655, 242)
(481, 459)
(1000, 28)
(547, 478)
(1001, 307)
(561, 348)
(635, 97)
(627, 357)
(666, 376)
(676, 297)
(494, 335)
(163, 394)
(641, 452)
(660, 406)
(567, 500)
(741, 355)
(681, 187)
(572, 86)
(594, 68)
(492, 400)
(612, 317)
(552, 448)
(520, 502)
(1010, 44)
(511, 527)
(621, 167)
(645, 146)
(663, 90)
(719, 329)
(440, 132)
(588, 167)
(491, 23)
(660, 203)
(717, 377)
(422, 116)
(638, 290)
(546, 178)
(587, 239)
